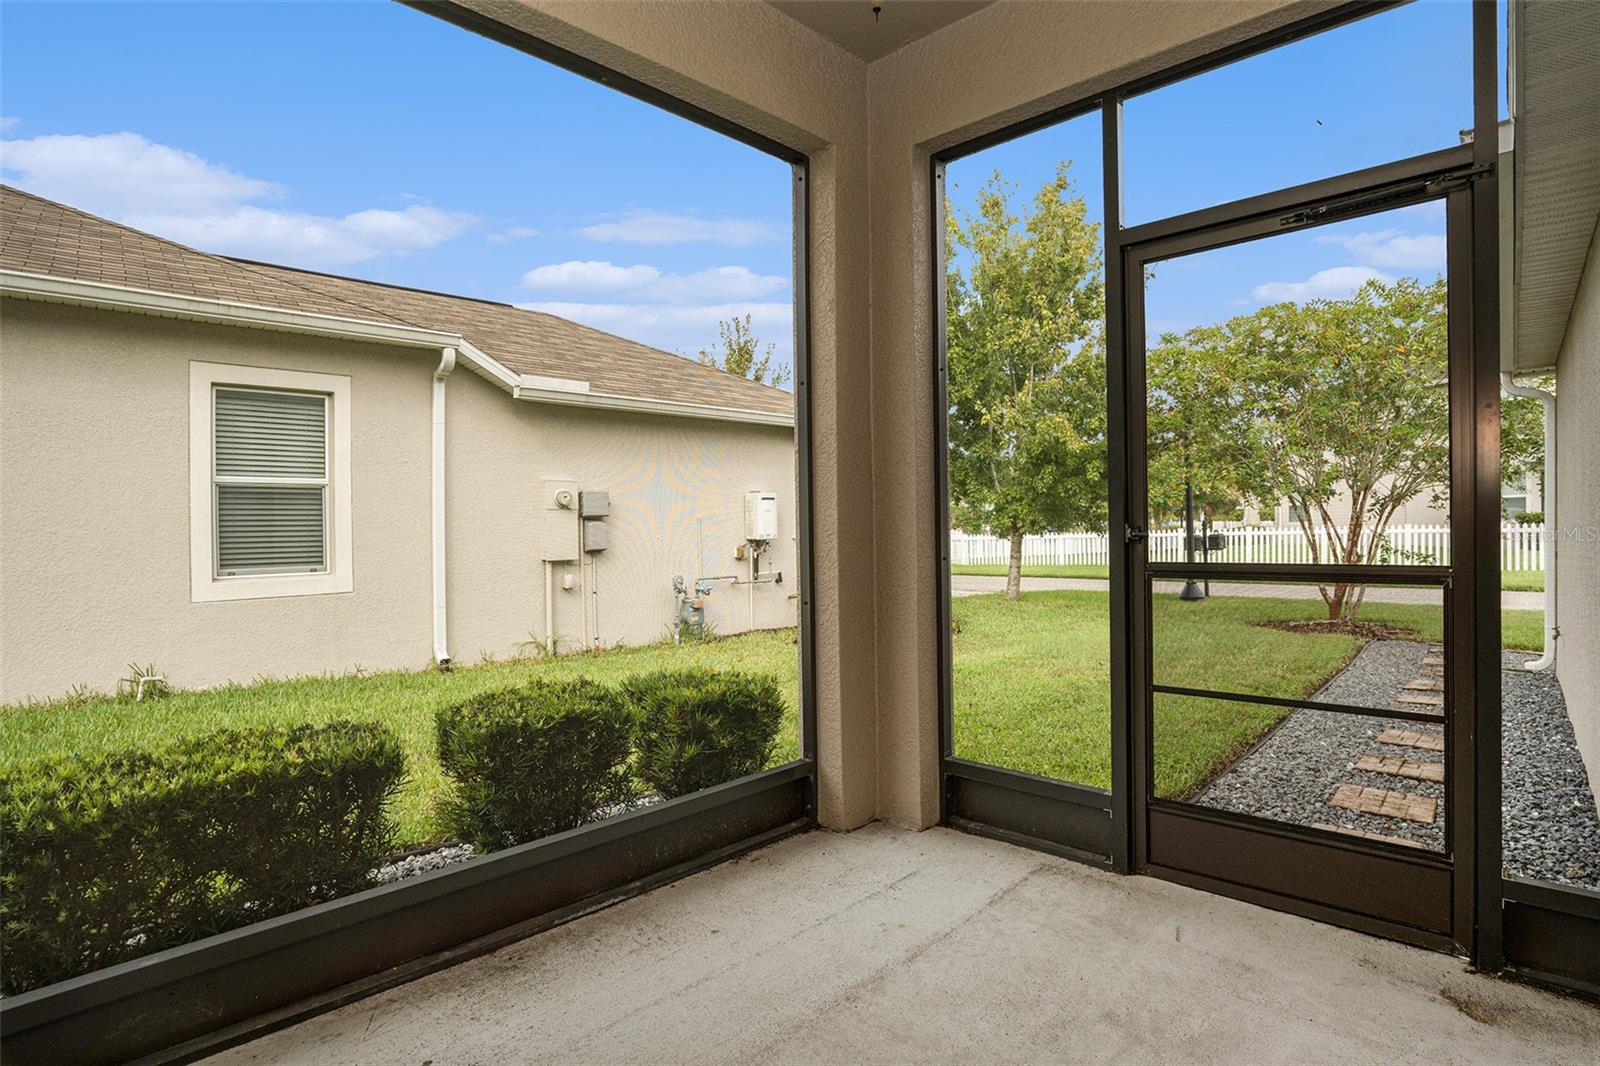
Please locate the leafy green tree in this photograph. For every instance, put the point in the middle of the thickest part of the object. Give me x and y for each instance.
(741, 354)
(1025, 303)
(1188, 422)
(1305, 402)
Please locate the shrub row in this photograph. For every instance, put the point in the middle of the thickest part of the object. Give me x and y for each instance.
(549, 756)
(105, 858)
(110, 857)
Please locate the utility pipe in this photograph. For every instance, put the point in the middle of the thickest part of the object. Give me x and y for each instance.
(441, 645)
(549, 609)
(1551, 527)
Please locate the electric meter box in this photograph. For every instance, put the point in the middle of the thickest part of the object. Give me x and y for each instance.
(558, 526)
(761, 516)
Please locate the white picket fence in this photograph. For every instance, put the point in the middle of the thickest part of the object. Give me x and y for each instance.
(1521, 547)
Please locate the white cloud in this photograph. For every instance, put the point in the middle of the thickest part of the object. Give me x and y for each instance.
(514, 233)
(308, 240)
(655, 227)
(1333, 283)
(648, 283)
(180, 195)
(8, 122)
(1392, 248)
(589, 275)
(113, 173)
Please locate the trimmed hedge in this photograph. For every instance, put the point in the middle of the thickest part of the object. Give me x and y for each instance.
(699, 727)
(530, 761)
(110, 857)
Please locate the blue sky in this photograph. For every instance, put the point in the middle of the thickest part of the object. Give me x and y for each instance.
(434, 159)
(1394, 85)
(371, 140)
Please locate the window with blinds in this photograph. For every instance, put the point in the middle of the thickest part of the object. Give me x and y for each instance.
(270, 481)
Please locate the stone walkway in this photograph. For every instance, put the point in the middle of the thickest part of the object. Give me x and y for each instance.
(1384, 779)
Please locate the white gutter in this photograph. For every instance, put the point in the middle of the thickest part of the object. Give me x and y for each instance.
(529, 390)
(441, 645)
(1551, 528)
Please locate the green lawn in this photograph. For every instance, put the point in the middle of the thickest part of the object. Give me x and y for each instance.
(1032, 691)
(1510, 580)
(1522, 580)
(404, 701)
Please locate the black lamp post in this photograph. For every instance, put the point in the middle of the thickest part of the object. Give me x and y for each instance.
(1191, 587)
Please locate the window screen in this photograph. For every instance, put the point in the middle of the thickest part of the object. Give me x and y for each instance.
(271, 476)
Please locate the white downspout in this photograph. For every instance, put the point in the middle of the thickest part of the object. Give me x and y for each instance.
(441, 645)
(1551, 528)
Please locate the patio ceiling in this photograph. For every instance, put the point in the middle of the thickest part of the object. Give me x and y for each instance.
(853, 25)
(1556, 103)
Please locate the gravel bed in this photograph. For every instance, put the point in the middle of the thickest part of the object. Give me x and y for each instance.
(421, 861)
(438, 856)
(1552, 828)
(1374, 677)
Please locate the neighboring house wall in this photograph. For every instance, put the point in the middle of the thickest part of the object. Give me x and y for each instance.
(1418, 511)
(1578, 514)
(675, 483)
(94, 511)
(94, 508)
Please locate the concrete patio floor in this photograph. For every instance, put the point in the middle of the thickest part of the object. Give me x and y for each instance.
(885, 945)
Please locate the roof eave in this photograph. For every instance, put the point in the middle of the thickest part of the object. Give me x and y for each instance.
(530, 387)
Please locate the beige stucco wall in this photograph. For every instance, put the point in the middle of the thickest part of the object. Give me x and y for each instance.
(1578, 506)
(94, 512)
(94, 508)
(677, 507)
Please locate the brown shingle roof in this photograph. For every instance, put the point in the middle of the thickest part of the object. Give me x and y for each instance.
(40, 236)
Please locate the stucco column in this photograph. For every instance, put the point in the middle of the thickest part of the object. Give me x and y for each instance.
(998, 66)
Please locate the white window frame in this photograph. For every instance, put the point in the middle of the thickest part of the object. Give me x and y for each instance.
(204, 583)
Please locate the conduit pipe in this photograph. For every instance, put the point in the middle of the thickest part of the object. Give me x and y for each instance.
(549, 609)
(441, 644)
(1552, 529)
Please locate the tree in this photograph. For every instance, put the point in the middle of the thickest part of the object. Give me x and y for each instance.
(1026, 360)
(741, 354)
(1305, 401)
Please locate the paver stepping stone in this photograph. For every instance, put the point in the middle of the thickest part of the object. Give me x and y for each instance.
(1364, 835)
(1433, 660)
(1416, 769)
(1436, 648)
(1422, 701)
(1424, 684)
(1383, 802)
(1432, 671)
(1410, 738)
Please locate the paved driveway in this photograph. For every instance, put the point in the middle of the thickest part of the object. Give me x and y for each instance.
(973, 585)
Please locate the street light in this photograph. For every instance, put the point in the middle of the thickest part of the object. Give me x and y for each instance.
(1191, 587)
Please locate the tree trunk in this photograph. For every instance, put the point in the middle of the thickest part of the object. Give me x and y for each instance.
(1014, 571)
(1336, 601)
